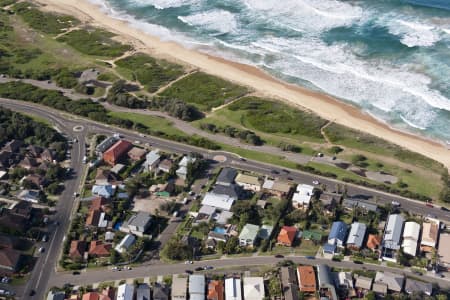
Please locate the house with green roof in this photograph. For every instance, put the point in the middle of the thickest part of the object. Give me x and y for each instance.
(248, 235)
(312, 235)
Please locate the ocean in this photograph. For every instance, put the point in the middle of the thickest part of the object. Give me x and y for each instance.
(391, 58)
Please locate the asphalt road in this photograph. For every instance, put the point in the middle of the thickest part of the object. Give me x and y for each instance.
(44, 271)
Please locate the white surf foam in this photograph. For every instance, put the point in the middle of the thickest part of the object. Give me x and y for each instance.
(164, 4)
(220, 21)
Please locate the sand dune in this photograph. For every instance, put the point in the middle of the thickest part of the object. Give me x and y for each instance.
(256, 79)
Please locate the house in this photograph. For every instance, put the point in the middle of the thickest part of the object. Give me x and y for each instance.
(248, 182)
(336, 238)
(364, 283)
(28, 163)
(265, 232)
(197, 287)
(254, 288)
(143, 292)
(232, 191)
(125, 243)
(310, 235)
(393, 281)
(160, 292)
(37, 180)
(443, 253)
(125, 292)
(182, 166)
(99, 203)
(287, 235)
(106, 191)
(5, 159)
(392, 235)
(380, 288)
(218, 237)
(77, 249)
(104, 177)
(93, 218)
(136, 153)
(233, 289)
(179, 288)
(138, 223)
(32, 196)
(9, 259)
(355, 203)
(356, 236)
(430, 235)
(13, 146)
(344, 281)
(116, 151)
(226, 176)
(326, 285)
(47, 155)
(117, 169)
(306, 279)
(276, 188)
(415, 286)
(151, 160)
(99, 249)
(223, 202)
(329, 200)
(215, 290)
(17, 218)
(109, 236)
(248, 235)
(106, 144)
(165, 165)
(302, 197)
(410, 238)
(289, 284)
(95, 296)
(56, 295)
(373, 242)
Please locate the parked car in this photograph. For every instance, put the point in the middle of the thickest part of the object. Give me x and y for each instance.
(208, 267)
(198, 269)
(274, 172)
(315, 182)
(279, 256)
(429, 204)
(76, 273)
(188, 272)
(395, 203)
(41, 250)
(188, 262)
(45, 238)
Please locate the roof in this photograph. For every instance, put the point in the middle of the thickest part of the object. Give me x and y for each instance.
(412, 286)
(125, 292)
(9, 258)
(329, 248)
(249, 232)
(325, 281)
(380, 288)
(305, 189)
(152, 157)
(364, 282)
(118, 149)
(357, 234)
(220, 201)
(345, 279)
(98, 203)
(58, 295)
(196, 285)
(98, 248)
(125, 243)
(359, 203)
(141, 219)
(338, 231)
(254, 288)
(276, 185)
(229, 190)
(312, 235)
(143, 292)
(137, 152)
(223, 217)
(93, 217)
(207, 210)
(117, 168)
(215, 290)
(160, 292)
(287, 235)
(165, 164)
(430, 233)
(306, 279)
(410, 238)
(77, 248)
(103, 190)
(289, 282)
(186, 160)
(393, 232)
(373, 241)
(226, 176)
(247, 179)
(328, 198)
(179, 286)
(302, 199)
(265, 232)
(444, 245)
(394, 281)
(104, 145)
(233, 289)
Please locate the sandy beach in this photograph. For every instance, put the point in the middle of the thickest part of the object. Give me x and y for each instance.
(252, 77)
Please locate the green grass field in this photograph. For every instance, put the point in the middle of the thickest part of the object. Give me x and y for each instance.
(204, 91)
(148, 71)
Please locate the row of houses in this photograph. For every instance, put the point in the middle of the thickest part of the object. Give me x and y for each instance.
(338, 285)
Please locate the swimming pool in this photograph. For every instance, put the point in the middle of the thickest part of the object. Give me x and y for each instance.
(220, 230)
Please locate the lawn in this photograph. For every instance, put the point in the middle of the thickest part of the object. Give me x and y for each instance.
(151, 72)
(204, 91)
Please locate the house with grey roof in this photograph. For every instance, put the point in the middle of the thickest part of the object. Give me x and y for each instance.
(226, 176)
(56, 295)
(412, 286)
(151, 160)
(356, 203)
(143, 292)
(248, 235)
(197, 287)
(182, 166)
(392, 237)
(364, 283)
(356, 236)
(106, 144)
(289, 283)
(125, 243)
(160, 292)
(137, 223)
(393, 281)
(326, 283)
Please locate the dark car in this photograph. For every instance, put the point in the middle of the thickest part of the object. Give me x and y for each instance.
(286, 171)
(76, 273)
(358, 262)
(188, 272)
(290, 178)
(310, 257)
(32, 293)
(444, 208)
(279, 256)
(199, 269)
(274, 172)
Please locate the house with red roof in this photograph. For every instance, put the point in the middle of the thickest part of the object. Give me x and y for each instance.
(99, 249)
(77, 249)
(287, 235)
(116, 151)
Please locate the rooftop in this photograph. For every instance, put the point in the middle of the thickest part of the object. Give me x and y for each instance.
(226, 176)
(247, 179)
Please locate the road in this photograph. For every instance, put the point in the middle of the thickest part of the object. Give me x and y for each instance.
(44, 270)
(159, 268)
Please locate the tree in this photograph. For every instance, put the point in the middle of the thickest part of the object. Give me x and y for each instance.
(370, 296)
(232, 246)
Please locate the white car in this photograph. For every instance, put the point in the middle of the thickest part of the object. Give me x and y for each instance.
(315, 182)
(41, 250)
(188, 262)
(395, 203)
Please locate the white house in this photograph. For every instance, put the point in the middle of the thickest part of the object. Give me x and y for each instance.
(302, 196)
(182, 166)
(254, 288)
(151, 160)
(392, 235)
(218, 201)
(233, 289)
(411, 238)
(125, 243)
(125, 292)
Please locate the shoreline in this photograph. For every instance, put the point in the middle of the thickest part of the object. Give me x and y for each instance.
(261, 82)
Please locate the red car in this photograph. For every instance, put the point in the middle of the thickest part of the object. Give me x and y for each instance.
(429, 204)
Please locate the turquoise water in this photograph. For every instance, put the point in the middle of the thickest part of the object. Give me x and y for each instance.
(220, 230)
(391, 58)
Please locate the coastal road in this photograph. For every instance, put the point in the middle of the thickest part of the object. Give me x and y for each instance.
(44, 271)
(228, 265)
